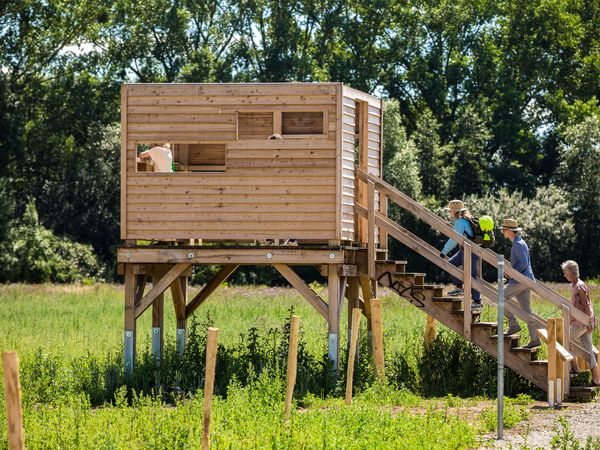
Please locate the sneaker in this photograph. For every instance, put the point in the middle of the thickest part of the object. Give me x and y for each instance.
(456, 292)
(476, 306)
(513, 330)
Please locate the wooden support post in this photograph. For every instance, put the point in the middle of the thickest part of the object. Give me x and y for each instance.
(567, 344)
(371, 226)
(353, 295)
(334, 316)
(158, 321)
(12, 395)
(429, 331)
(365, 285)
(551, 362)
(352, 353)
(130, 319)
(467, 318)
(560, 363)
(291, 366)
(377, 339)
(179, 290)
(209, 384)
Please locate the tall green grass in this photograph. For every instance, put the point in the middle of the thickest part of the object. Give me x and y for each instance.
(76, 394)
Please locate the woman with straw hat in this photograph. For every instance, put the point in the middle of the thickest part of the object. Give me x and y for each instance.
(521, 262)
(459, 215)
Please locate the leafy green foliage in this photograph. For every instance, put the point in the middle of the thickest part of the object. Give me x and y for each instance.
(547, 223)
(490, 95)
(34, 254)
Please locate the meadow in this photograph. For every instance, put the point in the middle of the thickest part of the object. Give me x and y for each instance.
(75, 394)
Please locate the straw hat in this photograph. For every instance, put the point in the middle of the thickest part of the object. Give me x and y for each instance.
(455, 206)
(510, 224)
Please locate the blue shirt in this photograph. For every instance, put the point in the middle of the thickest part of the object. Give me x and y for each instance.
(462, 227)
(519, 259)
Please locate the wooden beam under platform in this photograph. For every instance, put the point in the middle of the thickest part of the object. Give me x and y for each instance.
(237, 255)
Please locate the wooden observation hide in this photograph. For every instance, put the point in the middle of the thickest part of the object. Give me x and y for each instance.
(287, 174)
(265, 173)
(231, 182)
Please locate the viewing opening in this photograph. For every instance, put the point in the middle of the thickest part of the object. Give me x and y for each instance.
(294, 123)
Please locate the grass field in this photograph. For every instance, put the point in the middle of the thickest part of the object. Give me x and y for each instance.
(67, 333)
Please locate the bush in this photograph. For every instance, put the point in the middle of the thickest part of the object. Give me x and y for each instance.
(33, 254)
(547, 223)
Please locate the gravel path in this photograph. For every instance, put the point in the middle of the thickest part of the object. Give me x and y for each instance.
(537, 432)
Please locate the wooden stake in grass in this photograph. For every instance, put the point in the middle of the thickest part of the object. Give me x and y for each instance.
(209, 383)
(12, 392)
(352, 353)
(292, 366)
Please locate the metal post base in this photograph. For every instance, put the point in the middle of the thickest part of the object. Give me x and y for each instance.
(180, 341)
(156, 344)
(333, 350)
(129, 351)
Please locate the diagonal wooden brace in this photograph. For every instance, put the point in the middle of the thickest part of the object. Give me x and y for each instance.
(209, 288)
(160, 287)
(306, 292)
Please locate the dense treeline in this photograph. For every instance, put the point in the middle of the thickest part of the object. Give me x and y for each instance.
(493, 101)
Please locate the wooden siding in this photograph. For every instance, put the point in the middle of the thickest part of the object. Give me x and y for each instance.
(269, 189)
(374, 136)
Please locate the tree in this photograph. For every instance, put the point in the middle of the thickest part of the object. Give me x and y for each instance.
(580, 175)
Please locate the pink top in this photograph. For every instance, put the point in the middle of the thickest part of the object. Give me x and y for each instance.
(576, 301)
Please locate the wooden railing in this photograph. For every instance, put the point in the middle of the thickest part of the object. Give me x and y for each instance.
(386, 225)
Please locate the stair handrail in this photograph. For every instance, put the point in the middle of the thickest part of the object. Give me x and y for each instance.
(419, 211)
(487, 290)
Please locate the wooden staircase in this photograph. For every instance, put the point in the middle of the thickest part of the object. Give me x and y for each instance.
(450, 311)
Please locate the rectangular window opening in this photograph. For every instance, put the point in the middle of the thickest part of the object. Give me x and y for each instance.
(255, 125)
(176, 157)
(302, 123)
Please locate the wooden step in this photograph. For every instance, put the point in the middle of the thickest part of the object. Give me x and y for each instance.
(539, 362)
(438, 291)
(513, 339)
(461, 312)
(531, 351)
(455, 302)
(490, 325)
(583, 393)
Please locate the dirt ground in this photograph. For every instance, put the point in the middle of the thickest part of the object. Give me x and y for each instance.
(537, 432)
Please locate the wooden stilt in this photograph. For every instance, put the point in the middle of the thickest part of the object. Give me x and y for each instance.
(377, 339)
(353, 296)
(179, 293)
(430, 331)
(12, 395)
(158, 319)
(365, 285)
(334, 316)
(130, 319)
